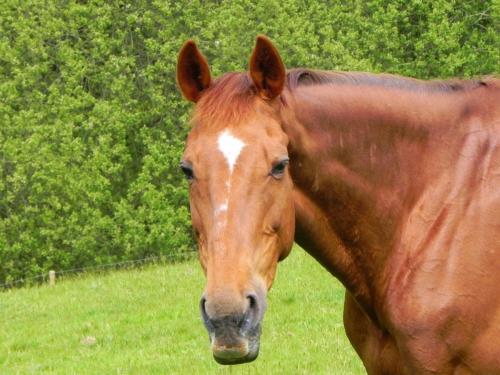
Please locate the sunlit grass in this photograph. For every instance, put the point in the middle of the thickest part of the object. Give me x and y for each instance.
(147, 322)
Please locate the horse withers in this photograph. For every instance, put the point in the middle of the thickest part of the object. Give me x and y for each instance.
(391, 183)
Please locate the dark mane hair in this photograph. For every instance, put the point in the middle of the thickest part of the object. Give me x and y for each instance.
(300, 77)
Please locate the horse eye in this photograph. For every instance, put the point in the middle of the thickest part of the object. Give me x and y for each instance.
(279, 168)
(187, 169)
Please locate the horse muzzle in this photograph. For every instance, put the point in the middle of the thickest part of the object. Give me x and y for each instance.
(234, 337)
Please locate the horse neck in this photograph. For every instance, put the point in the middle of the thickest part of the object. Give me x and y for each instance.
(360, 158)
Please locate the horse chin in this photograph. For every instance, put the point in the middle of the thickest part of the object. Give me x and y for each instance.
(229, 360)
(246, 350)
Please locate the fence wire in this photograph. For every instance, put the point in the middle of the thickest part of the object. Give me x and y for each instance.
(160, 259)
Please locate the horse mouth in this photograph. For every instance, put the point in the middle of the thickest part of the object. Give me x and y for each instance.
(246, 351)
(235, 361)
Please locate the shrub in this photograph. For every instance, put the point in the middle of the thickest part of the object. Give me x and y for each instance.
(92, 125)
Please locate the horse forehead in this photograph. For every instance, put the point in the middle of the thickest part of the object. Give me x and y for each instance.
(230, 143)
(230, 146)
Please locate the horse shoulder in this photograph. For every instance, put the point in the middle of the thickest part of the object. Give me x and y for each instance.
(442, 303)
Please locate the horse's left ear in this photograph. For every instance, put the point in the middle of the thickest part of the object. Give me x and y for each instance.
(266, 68)
(193, 72)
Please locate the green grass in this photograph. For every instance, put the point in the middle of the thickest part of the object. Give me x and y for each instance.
(147, 322)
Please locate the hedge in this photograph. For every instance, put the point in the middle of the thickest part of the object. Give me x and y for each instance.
(92, 125)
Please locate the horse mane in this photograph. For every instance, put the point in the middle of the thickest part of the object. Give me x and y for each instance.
(230, 98)
(306, 77)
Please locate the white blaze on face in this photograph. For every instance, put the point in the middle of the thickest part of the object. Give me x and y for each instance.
(222, 208)
(231, 147)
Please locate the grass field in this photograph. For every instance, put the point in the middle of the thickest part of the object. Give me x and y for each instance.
(147, 322)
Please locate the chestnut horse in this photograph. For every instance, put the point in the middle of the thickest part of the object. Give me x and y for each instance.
(391, 183)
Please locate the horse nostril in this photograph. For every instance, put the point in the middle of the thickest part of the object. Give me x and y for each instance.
(203, 309)
(252, 312)
(252, 302)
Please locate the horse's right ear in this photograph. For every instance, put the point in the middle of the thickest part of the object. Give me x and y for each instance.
(193, 73)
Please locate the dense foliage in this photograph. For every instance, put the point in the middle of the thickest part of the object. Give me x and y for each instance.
(91, 123)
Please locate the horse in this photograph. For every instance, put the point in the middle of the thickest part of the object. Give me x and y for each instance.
(391, 183)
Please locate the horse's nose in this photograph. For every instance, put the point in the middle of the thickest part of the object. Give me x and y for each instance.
(233, 324)
(242, 313)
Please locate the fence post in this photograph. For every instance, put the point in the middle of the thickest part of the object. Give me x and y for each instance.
(52, 278)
